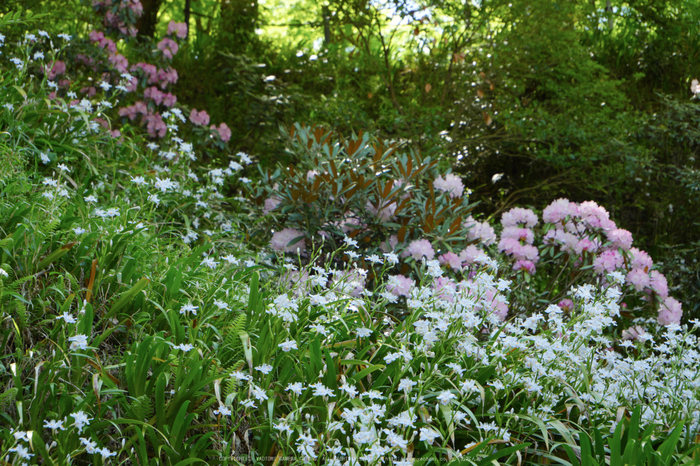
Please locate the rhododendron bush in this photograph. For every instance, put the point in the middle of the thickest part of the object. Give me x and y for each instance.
(393, 203)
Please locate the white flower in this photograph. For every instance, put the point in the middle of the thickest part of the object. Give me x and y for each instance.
(238, 375)
(21, 435)
(427, 434)
(189, 307)
(209, 262)
(288, 345)
(22, 452)
(90, 198)
(185, 347)
(90, 446)
(349, 389)
(350, 242)
(78, 342)
(105, 453)
(223, 410)
(80, 420)
(54, 425)
(446, 397)
(407, 384)
(44, 158)
(264, 368)
(249, 404)
(245, 158)
(321, 390)
(220, 304)
(259, 394)
(295, 387)
(138, 180)
(363, 332)
(67, 317)
(3, 273)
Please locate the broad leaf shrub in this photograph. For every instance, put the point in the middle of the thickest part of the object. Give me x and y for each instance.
(138, 327)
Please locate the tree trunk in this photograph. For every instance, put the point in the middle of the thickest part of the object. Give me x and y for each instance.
(147, 23)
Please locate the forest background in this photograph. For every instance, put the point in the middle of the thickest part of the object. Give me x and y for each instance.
(527, 101)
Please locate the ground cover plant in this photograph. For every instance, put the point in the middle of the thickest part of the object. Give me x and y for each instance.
(165, 300)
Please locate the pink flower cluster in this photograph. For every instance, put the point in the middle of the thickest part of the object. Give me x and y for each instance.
(163, 77)
(581, 229)
(479, 231)
(179, 29)
(464, 259)
(385, 214)
(223, 130)
(199, 118)
(168, 46)
(451, 184)
(281, 239)
(517, 238)
(57, 69)
(419, 249)
(120, 19)
(155, 94)
(98, 37)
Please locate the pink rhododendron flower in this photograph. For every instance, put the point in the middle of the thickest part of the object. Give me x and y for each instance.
(479, 231)
(595, 216)
(608, 261)
(496, 304)
(445, 289)
(155, 125)
(299, 281)
(154, 93)
(169, 99)
(270, 204)
(586, 245)
(451, 184)
(639, 279)
(350, 282)
(399, 285)
(670, 312)
(281, 239)
(393, 242)
(149, 70)
(566, 305)
(90, 91)
(164, 77)
(451, 259)
(224, 131)
(641, 260)
(418, 249)
(519, 217)
(385, 214)
(524, 235)
(519, 251)
(119, 62)
(566, 240)
(559, 210)
(168, 46)
(635, 333)
(620, 238)
(57, 69)
(526, 265)
(658, 284)
(199, 118)
(468, 255)
(179, 29)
